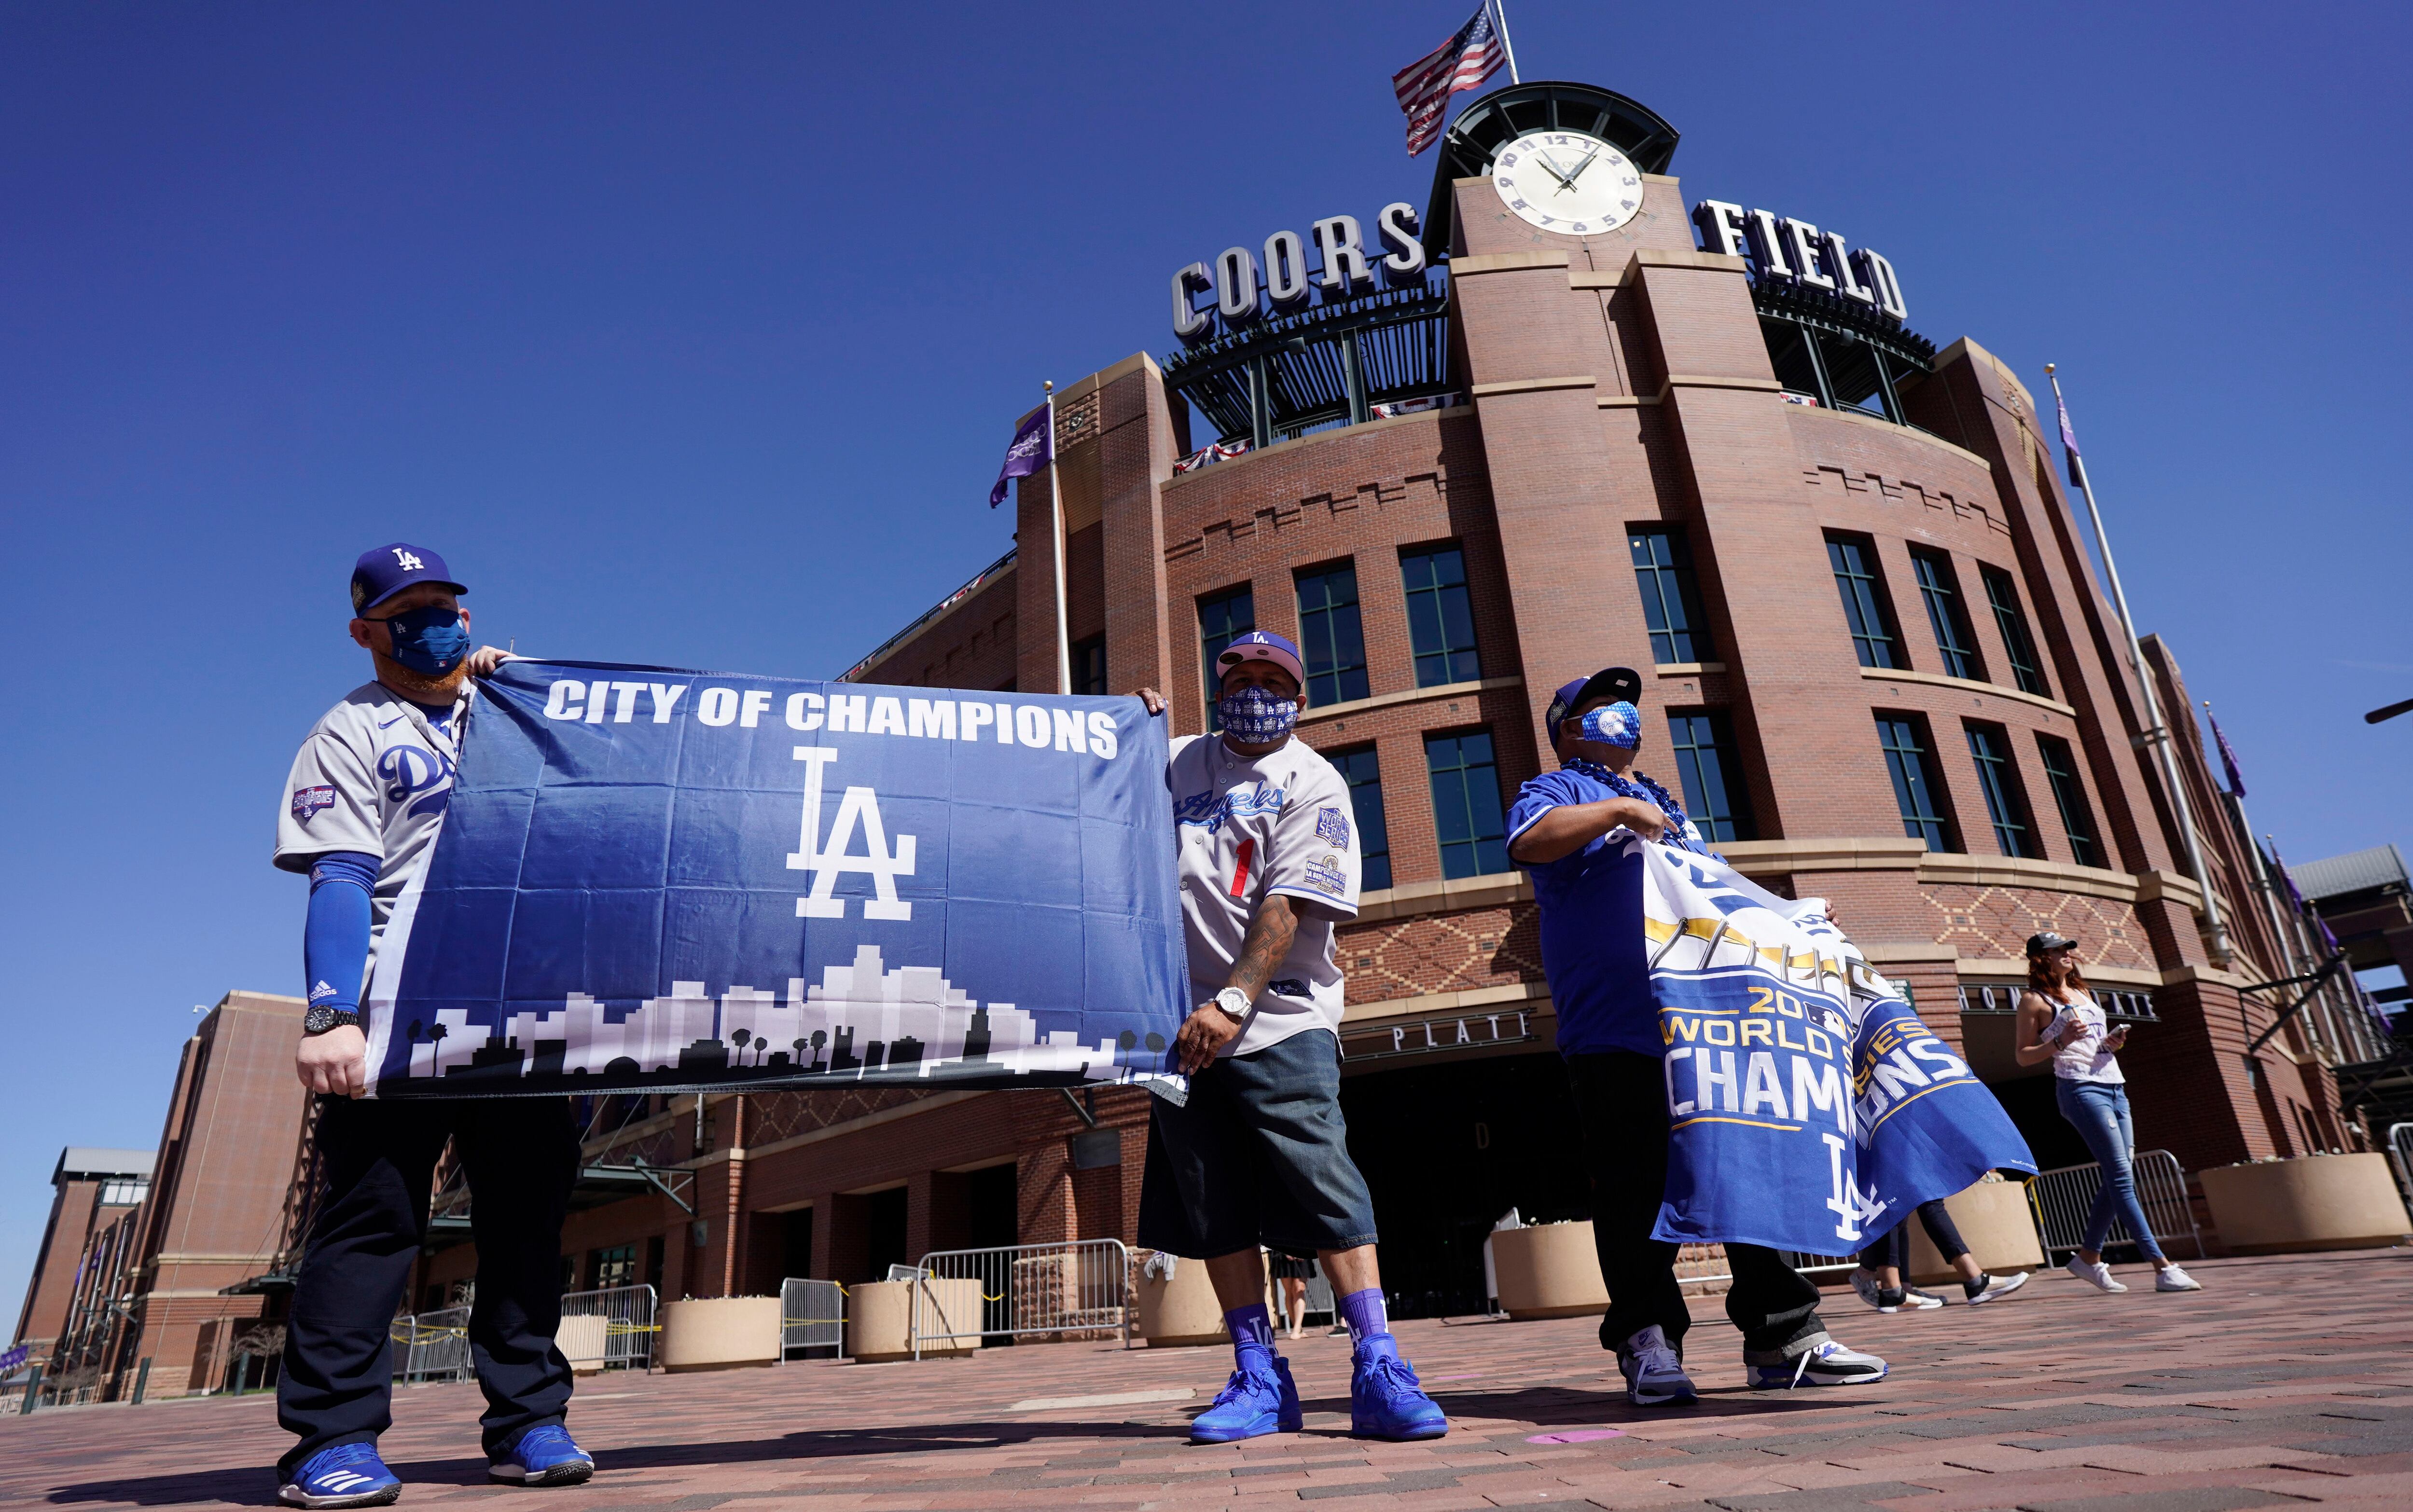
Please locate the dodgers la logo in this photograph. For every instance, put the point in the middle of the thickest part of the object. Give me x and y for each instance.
(309, 801)
(407, 560)
(409, 769)
(860, 808)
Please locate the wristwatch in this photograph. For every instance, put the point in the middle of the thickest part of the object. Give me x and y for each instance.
(1234, 1002)
(320, 1018)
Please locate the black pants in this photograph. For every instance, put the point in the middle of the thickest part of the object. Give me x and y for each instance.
(1892, 1248)
(522, 1154)
(1622, 1101)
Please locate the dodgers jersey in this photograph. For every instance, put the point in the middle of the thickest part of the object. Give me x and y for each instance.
(1244, 829)
(374, 776)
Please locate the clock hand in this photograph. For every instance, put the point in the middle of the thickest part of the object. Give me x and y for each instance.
(1552, 170)
(1580, 167)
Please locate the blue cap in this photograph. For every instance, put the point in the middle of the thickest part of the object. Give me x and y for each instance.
(1261, 646)
(1616, 684)
(380, 575)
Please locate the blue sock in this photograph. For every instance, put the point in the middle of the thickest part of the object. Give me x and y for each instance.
(1364, 1313)
(1253, 1338)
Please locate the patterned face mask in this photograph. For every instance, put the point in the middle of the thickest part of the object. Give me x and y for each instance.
(1615, 724)
(1254, 716)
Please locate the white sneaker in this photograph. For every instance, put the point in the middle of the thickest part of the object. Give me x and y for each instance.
(2097, 1275)
(1827, 1363)
(1998, 1286)
(1654, 1376)
(1919, 1301)
(2170, 1278)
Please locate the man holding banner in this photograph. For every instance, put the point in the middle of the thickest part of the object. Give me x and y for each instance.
(1579, 833)
(1258, 1154)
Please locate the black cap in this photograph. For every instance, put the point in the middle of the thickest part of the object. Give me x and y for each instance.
(1616, 684)
(2046, 941)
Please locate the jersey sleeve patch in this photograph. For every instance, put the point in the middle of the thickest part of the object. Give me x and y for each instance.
(310, 801)
(1325, 874)
(1332, 827)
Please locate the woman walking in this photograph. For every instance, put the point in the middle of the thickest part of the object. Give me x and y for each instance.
(2059, 1022)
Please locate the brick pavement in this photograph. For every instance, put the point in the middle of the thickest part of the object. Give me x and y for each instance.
(2288, 1381)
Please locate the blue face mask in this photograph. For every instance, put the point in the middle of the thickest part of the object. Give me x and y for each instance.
(432, 640)
(1253, 715)
(1615, 724)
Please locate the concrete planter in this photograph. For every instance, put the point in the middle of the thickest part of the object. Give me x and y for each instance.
(1550, 1270)
(719, 1333)
(2320, 1202)
(1182, 1311)
(581, 1341)
(1995, 1223)
(879, 1318)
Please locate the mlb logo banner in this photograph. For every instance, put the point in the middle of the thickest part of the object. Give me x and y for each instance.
(656, 879)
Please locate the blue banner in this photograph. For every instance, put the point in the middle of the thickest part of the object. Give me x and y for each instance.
(654, 880)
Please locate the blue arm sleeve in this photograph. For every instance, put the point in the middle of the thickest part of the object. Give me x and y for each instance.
(336, 937)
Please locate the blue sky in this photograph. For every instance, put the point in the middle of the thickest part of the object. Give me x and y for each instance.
(692, 334)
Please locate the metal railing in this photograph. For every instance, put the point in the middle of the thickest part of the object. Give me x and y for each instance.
(1023, 1291)
(812, 1315)
(431, 1346)
(628, 1327)
(2062, 1197)
(2400, 1154)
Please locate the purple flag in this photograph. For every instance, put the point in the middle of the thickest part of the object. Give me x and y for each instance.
(2068, 438)
(2227, 757)
(1031, 450)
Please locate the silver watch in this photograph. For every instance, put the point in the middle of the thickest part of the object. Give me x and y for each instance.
(1234, 1002)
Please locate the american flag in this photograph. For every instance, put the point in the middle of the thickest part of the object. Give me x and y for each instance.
(1425, 86)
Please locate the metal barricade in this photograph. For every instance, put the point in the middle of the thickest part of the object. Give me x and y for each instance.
(1024, 1291)
(629, 1326)
(2062, 1197)
(812, 1315)
(2400, 1154)
(431, 1346)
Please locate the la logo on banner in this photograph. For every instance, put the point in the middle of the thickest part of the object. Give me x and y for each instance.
(858, 809)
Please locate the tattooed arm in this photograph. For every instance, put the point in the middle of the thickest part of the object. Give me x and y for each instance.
(1268, 940)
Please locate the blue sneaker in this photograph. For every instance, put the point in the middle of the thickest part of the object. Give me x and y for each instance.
(349, 1474)
(1385, 1401)
(545, 1455)
(1251, 1404)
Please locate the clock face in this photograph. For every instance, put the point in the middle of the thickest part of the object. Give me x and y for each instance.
(1567, 182)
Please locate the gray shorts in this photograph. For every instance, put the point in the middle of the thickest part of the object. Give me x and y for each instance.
(1260, 1156)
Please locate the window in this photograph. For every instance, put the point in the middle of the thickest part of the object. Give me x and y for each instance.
(123, 1191)
(1705, 763)
(615, 1267)
(1854, 561)
(1221, 617)
(1331, 642)
(1467, 820)
(2004, 594)
(1090, 666)
(2007, 800)
(1916, 788)
(1671, 604)
(1940, 588)
(1440, 617)
(2069, 796)
(1364, 775)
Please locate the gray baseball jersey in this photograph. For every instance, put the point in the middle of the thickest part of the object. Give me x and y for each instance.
(374, 776)
(1281, 823)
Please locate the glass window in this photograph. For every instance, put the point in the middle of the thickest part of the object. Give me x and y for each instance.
(1090, 666)
(1671, 602)
(2007, 799)
(1705, 762)
(1939, 587)
(614, 1267)
(2069, 796)
(1854, 562)
(2004, 594)
(1441, 616)
(1916, 788)
(1467, 817)
(1364, 775)
(1221, 617)
(1331, 641)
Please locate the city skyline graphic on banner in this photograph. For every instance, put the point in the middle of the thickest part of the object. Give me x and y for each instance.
(862, 1019)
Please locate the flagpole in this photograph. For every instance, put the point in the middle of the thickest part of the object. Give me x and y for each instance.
(1055, 538)
(2155, 735)
(1499, 11)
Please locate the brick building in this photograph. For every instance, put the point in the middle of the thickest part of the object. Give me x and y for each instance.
(92, 1191)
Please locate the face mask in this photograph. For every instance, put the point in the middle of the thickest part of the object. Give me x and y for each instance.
(1254, 716)
(1615, 724)
(430, 640)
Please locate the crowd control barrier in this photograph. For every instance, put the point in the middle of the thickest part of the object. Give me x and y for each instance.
(1031, 1291)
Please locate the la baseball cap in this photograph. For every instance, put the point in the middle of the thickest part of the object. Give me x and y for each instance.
(1261, 646)
(1616, 684)
(382, 573)
(2046, 941)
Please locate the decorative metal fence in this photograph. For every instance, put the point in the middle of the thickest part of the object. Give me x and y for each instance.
(2062, 1197)
(812, 1316)
(1077, 1289)
(431, 1346)
(625, 1333)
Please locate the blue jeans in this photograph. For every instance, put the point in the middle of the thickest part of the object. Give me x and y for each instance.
(2099, 1112)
